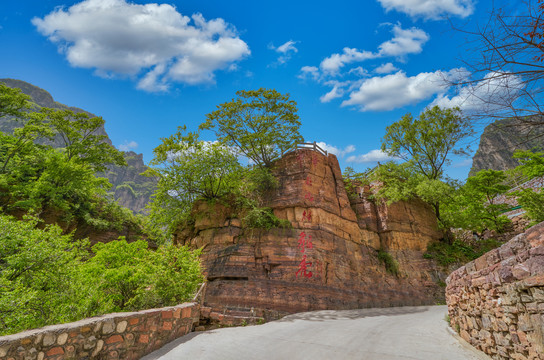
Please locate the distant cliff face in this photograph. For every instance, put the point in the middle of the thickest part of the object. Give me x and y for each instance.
(329, 259)
(130, 188)
(500, 140)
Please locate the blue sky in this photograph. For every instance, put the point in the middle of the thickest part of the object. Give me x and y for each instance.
(353, 67)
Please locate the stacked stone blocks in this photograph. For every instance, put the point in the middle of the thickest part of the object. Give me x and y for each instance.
(496, 302)
(113, 336)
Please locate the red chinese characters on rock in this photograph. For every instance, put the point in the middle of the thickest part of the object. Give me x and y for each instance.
(307, 215)
(305, 240)
(304, 243)
(303, 268)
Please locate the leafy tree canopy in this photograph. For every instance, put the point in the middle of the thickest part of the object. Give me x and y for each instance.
(189, 169)
(428, 140)
(80, 140)
(260, 124)
(48, 278)
(531, 163)
(12, 101)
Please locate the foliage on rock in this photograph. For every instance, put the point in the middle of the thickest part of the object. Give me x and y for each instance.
(260, 124)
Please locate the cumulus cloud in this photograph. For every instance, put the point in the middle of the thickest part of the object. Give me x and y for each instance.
(152, 42)
(385, 68)
(335, 62)
(404, 41)
(336, 151)
(430, 9)
(285, 50)
(494, 91)
(128, 145)
(371, 156)
(396, 90)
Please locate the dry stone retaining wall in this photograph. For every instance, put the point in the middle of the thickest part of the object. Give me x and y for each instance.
(496, 302)
(112, 336)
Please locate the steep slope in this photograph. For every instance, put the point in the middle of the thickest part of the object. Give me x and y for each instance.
(130, 188)
(499, 141)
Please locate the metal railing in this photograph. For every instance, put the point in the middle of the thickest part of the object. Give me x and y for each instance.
(311, 146)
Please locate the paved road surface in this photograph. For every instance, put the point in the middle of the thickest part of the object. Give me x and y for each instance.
(370, 334)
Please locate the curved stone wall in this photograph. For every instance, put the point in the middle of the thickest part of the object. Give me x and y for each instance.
(112, 336)
(496, 302)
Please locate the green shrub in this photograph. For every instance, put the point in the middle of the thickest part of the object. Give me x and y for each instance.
(391, 265)
(48, 278)
(533, 204)
(264, 218)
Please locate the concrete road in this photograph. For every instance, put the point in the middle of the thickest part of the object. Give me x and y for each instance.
(392, 333)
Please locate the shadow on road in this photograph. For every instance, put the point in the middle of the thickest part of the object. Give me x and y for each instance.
(324, 315)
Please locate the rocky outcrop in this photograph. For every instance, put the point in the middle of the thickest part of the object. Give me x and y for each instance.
(496, 302)
(129, 188)
(499, 141)
(328, 260)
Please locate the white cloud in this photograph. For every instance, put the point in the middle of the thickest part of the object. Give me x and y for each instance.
(386, 68)
(396, 90)
(336, 151)
(405, 41)
(128, 145)
(286, 51)
(430, 9)
(309, 72)
(371, 156)
(335, 92)
(464, 163)
(152, 42)
(495, 91)
(335, 62)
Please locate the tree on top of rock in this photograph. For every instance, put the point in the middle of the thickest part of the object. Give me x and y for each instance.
(260, 124)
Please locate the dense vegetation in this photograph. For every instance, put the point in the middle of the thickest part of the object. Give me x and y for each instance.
(46, 275)
(48, 278)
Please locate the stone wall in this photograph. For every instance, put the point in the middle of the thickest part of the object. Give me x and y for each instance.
(112, 336)
(496, 302)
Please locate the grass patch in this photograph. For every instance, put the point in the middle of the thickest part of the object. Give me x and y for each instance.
(391, 265)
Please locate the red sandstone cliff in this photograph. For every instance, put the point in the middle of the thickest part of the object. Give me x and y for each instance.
(329, 259)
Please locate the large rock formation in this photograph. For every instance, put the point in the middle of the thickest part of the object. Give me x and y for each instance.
(499, 141)
(130, 189)
(328, 260)
(496, 302)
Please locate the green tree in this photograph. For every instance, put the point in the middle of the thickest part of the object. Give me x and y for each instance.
(428, 140)
(81, 142)
(533, 204)
(531, 163)
(425, 143)
(189, 169)
(404, 182)
(12, 101)
(260, 124)
(36, 275)
(475, 205)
